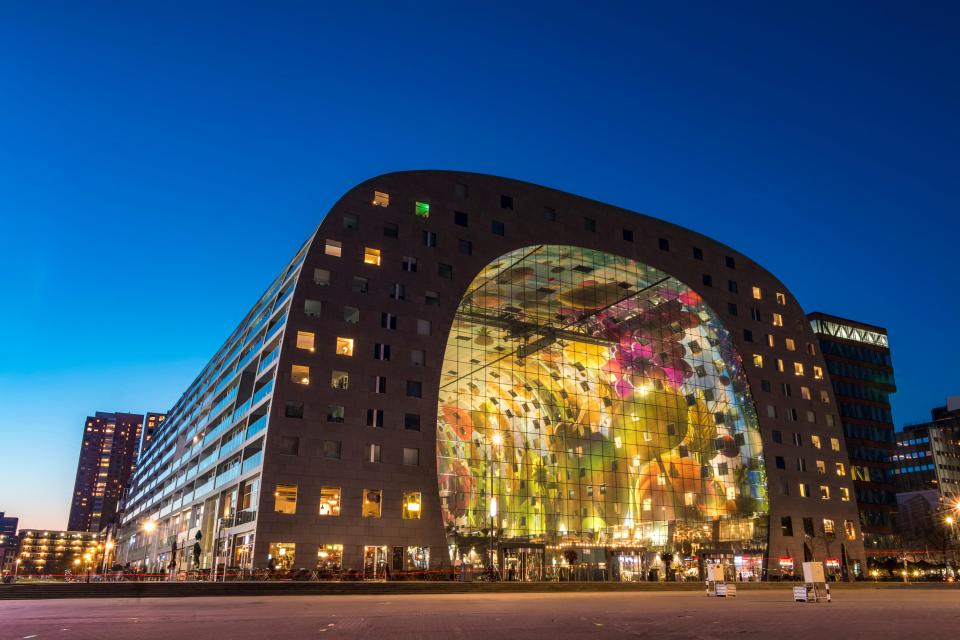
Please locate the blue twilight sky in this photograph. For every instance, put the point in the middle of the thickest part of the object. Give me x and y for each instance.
(160, 162)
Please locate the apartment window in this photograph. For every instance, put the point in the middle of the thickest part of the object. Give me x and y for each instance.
(824, 492)
(815, 441)
(844, 494)
(732, 308)
(373, 453)
(628, 235)
(381, 199)
(305, 340)
(664, 244)
(802, 465)
(771, 342)
(780, 365)
(462, 190)
(828, 419)
(431, 298)
(333, 248)
(697, 253)
(375, 418)
(339, 380)
(798, 368)
(371, 256)
(411, 505)
(335, 413)
(379, 384)
(808, 527)
(285, 498)
(497, 228)
(312, 308)
(344, 346)
(777, 436)
(398, 292)
(411, 457)
(350, 222)
(391, 230)
(414, 389)
(748, 335)
(828, 528)
(331, 449)
(429, 238)
(445, 270)
(321, 277)
(289, 445)
(765, 386)
(805, 393)
(418, 357)
(589, 224)
(804, 490)
(388, 321)
(780, 462)
(381, 351)
(465, 247)
(817, 373)
(423, 327)
(755, 314)
(707, 280)
(771, 411)
(460, 218)
(790, 344)
(781, 298)
(351, 315)
(422, 210)
(293, 410)
(786, 526)
(371, 503)
(849, 529)
(411, 421)
(506, 202)
(330, 501)
(757, 294)
(841, 469)
(811, 417)
(777, 320)
(730, 262)
(731, 286)
(835, 444)
(360, 285)
(409, 264)
(821, 467)
(300, 374)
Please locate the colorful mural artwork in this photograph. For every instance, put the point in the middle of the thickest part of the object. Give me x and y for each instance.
(587, 398)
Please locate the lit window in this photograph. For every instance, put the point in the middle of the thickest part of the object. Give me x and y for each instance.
(828, 525)
(758, 360)
(373, 453)
(780, 365)
(285, 498)
(371, 256)
(804, 490)
(411, 505)
(841, 470)
(821, 467)
(344, 346)
(791, 345)
(422, 209)
(798, 368)
(817, 373)
(850, 530)
(305, 340)
(805, 393)
(371, 503)
(824, 396)
(333, 248)
(381, 199)
(835, 444)
(339, 380)
(300, 374)
(770, 341)
(756, 293)
(824, 492)
(781, 298)
(283, 554)
(330, 557)
(777, 320)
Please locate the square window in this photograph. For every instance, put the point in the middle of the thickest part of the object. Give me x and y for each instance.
(339, 380)
(628, 235)
(414, 389)
(418, 357)
(731, 286)
(285, 498)
(497, 227)
(371, 503)
(731, 264)
(411, 421)
(335, 413)
(331, 449)
(381, 351)
(777, 436)
(817, 373)
(780, 462)
(423, 327)
(781, 298)
(821, 467)
(391, 230)
(460, 218)
(293, 410)
(790, 344)
(549, 214)
(465, 247)
(344, 346)
(835, 444)
(462, 190)
(411, 457)
(351, 315)
(429, 239)
(755, 314)
(589, 224)
(422, 210)
(381, 199)
(300, 374)
(664, 244)
(844, 494)
(771, 342)
(697, 254)
(798, 368)
(398, 292)
(824, 396)
(409, 264)
(360, 285)
(757, 295)
(841, 469)
(350, 222)
(388, 321)
(777, 320)
(849, 528)
(811, 349)
(373, 453)
(312, 308)
(411, 505)
(825, 495)
(321, 277)
(333, 248)
(330, 501)
(765, 386)
(445, 270)
(305, 340)
(707, 280)
(748, 335)
(771, 411)
(758, 360)
(506, 202)
(732, 308)
(371, 256)
(431, 298)
(289, 445)
(375, 418)
(379, 384)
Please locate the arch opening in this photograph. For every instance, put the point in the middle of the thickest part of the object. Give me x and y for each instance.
(593, 409)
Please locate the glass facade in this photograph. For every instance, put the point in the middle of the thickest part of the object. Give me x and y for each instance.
(590, 400)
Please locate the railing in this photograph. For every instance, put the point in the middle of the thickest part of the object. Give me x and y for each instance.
(253, 461)
(262, 393)
(268, 360)
(257, 426)
(232, 444)
(227, 475)
(210, 459)
(204, 488)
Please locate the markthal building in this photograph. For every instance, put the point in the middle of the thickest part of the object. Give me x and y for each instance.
(460, 374)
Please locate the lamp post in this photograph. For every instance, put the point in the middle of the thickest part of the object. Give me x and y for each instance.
(16, 569)
(148, 526)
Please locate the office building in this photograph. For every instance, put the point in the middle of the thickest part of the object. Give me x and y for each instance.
(928, 453)
(55, 553)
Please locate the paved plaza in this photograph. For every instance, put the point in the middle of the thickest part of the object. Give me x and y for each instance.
(854, 613)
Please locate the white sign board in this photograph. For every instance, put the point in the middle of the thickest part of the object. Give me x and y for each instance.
(715, 572)
(813, 572)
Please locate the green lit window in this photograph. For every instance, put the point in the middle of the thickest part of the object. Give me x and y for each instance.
(422, 210)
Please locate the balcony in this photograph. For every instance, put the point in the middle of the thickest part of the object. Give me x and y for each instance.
(253, 461)
(257, 426)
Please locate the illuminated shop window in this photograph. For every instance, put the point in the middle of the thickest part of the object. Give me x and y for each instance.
(371, 256)
(305, 340)
(333, 248)
(835, 444)
(285, 498)
(372, 499)
(330, 557)
(411, 505)
(339, 380)
(777, 320)
(781, 298)
(381, 199)
(344, 346)
(824, 492)
(422, 210)
(330, 501)
(757, 295)
(282, 555)
(300, 374)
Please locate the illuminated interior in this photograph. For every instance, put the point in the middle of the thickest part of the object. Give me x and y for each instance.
(587, 399)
